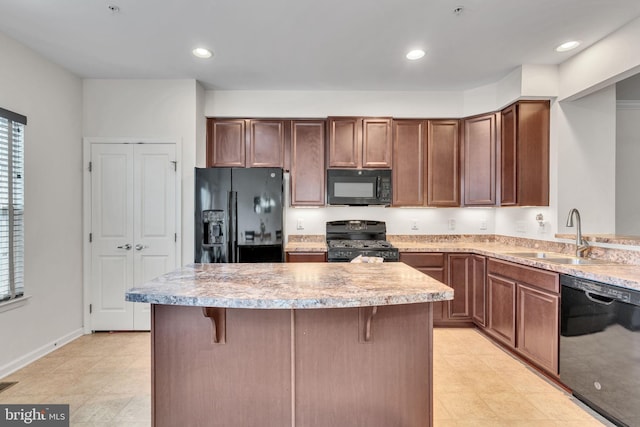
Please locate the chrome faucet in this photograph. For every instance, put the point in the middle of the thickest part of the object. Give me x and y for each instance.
(581, 244)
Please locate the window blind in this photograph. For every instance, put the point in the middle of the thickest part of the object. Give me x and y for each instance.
(11, 204)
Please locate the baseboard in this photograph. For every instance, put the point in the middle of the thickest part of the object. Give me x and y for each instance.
(36, 354)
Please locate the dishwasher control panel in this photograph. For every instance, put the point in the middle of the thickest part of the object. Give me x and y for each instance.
(603, 289)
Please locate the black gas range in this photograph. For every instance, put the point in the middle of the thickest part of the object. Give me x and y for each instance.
(348, 239)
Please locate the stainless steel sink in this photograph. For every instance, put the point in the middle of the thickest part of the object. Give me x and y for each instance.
(559, 259)
(532, 254)
(578, 261)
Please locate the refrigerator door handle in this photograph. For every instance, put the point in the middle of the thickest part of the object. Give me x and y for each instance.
(232, 233)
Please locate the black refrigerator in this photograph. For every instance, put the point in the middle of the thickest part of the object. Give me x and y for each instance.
(238, 215)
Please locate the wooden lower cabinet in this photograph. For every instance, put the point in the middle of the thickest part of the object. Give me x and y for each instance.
(523, 306)
(479, 290)
(433, 265)
(306, 256)
(459, 276)
(538, 322)
(458, 271)
(501, 296)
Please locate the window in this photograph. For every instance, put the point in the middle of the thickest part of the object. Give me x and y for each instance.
(11, 205)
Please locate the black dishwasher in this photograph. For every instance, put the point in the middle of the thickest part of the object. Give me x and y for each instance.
(600, 347)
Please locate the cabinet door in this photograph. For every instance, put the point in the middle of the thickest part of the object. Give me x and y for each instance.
(306, 257)
(266, 144)
(307, 163)
(459, 278)
(225, 143)
(538, 326)
(508, 157)
(443, 157)
(501, 295)
(344, 142)
(376, 143)
(524, 154)
(478, 290)
(408, 162)
(480, 160)
(533, 153)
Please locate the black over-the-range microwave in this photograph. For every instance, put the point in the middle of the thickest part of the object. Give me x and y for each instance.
(358, 187)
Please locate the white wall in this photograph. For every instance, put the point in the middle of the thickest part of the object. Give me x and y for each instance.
(151, 109)
(627, 170)
(608, 61)
(308, 104)
(51, 98)
(399, 220)
(586, 161)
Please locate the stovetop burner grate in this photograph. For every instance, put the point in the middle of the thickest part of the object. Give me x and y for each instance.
(360, 244)
(348, 239)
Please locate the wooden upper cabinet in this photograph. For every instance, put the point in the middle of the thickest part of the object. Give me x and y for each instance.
(524, 154)
(245, 143)
(356, 142)
(307, 163)
(480, 141)
(409, 161)
(266, 144)
(443, 163)
(376, 143)
(226, 142)
(344, 141)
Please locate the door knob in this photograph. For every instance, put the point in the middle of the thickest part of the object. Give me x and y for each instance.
(127, 246)
(140, 247)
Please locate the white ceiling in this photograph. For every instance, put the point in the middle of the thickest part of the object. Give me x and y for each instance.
(310, 44)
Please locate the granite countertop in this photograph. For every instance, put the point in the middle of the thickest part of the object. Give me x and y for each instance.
(291, 286)
(614, 273)
(624, 275)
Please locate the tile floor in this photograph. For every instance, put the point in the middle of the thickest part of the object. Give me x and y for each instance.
(105, 378)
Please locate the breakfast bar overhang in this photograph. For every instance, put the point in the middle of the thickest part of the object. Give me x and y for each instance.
(300, 344)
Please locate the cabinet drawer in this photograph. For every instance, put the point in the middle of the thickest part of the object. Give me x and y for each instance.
(421, 259)
(306, 257)
(542, 279)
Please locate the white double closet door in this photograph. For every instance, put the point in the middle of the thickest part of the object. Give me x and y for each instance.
(133, 226)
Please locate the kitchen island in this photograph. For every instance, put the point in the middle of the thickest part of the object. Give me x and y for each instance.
(316, 344)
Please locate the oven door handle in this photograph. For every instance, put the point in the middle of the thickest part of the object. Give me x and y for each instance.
(378, 187)
(597, 300)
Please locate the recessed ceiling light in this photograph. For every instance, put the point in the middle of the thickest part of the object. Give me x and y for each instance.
(201, 52)
(568, 46)
(415, 54)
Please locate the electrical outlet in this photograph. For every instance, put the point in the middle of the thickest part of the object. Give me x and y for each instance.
(483, 224)
(452, 224)
(300, 224)
(521, 226)
(414, 224)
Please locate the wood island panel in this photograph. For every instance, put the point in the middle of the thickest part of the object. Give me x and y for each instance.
(293, 367)
(242, 382)
(341, 380)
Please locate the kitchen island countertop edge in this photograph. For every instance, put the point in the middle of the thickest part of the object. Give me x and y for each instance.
(291, 286)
